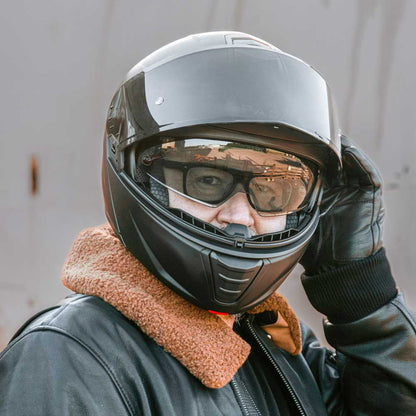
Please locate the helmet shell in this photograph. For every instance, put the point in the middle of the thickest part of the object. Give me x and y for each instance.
(227, 85)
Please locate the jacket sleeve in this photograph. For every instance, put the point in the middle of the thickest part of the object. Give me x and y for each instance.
(32, 384)
(373, 371)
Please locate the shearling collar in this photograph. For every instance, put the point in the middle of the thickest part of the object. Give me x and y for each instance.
(98, 264)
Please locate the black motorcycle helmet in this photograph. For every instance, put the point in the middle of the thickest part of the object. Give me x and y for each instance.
(209, 92)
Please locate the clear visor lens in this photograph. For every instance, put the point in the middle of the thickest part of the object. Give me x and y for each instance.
(211, 171)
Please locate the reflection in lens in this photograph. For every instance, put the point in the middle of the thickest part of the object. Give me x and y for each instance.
(277, 194)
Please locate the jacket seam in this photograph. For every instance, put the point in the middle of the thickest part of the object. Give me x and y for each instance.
(25, 328)
(405, 313)
(30, 321)
(97, 357)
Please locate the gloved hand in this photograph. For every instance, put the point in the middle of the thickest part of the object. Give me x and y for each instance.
(351, 228)
(347, 275)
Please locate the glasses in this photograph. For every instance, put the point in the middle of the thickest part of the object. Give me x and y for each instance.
(275, 182)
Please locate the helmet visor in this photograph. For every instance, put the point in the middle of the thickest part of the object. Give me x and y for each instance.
(237, 85)
(212, 171)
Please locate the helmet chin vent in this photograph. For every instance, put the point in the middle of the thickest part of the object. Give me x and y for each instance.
(263, 238)
(279, 236)
(197, 223)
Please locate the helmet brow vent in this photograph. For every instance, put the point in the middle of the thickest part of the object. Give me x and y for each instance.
(247, 40)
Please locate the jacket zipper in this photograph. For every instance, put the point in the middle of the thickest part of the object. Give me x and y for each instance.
(277, 368)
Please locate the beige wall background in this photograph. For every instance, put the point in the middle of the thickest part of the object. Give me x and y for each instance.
(61, 61)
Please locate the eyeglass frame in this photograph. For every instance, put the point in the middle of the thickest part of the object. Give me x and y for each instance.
(186, 166)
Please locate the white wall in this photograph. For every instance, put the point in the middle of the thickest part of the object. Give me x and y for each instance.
(61, 61)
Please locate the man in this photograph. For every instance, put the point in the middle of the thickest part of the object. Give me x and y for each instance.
(223, 168)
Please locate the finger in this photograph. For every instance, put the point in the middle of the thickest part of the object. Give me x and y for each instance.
(358, 167)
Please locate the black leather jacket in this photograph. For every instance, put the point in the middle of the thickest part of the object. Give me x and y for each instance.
(85, 358)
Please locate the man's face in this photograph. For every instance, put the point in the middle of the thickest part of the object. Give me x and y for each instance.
(235, 210)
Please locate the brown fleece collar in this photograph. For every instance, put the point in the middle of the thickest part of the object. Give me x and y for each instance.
(98, 264)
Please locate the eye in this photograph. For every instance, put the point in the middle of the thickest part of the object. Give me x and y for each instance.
(209, 180)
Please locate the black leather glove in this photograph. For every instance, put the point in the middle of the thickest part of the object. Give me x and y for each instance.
(347, 275)
(351, 227)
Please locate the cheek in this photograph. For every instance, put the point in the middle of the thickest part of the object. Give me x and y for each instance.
(199, 211)
(265, 225)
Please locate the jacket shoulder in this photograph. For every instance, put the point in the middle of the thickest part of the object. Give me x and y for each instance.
(59, 352)
(96, 326)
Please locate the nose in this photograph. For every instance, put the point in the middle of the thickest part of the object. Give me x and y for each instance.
(236, 210)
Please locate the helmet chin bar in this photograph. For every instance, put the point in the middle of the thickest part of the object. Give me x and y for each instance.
(198, 261)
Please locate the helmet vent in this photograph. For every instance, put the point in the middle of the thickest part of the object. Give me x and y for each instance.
(240, 39)
(264, 238)
(197, 223)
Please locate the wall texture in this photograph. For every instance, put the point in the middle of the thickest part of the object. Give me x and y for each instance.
(61, 61)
